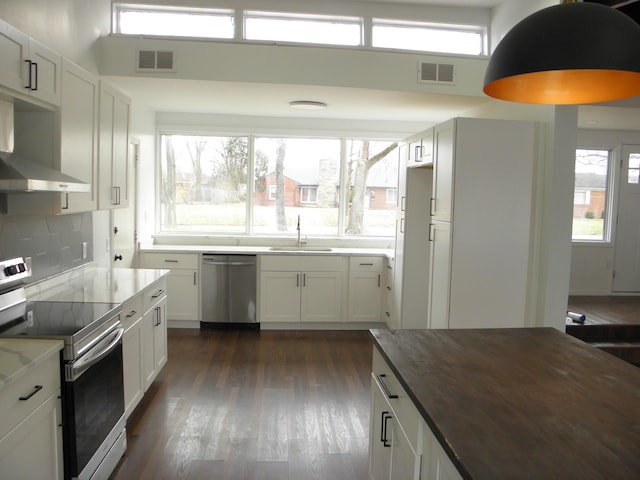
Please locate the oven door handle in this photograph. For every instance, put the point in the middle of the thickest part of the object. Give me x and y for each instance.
(93, 356)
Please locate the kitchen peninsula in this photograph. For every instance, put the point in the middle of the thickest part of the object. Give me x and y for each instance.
(503, 404)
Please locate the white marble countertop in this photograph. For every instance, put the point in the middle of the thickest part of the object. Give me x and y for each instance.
(262, 250)
(18, 356)
(94, 284)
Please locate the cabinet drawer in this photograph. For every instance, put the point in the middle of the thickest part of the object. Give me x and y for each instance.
(189, 261)
(14, 410)
(154, 293)
(405, 411)
(300, 263)
(132, 310)
(365, 263)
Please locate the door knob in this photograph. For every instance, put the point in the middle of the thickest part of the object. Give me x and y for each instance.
(117, 257)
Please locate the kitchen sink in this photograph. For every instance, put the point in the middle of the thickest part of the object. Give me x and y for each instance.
(301, 249)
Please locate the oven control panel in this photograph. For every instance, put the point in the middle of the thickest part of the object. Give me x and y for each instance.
(13, 270)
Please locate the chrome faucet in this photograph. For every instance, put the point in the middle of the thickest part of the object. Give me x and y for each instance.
(299, 242)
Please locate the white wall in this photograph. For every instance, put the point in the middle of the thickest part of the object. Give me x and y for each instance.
(69, 27)
(508, 13)
(551, 249)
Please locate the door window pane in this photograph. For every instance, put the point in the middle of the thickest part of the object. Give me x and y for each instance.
(203, 183)
(590, 196)
(304, 176)
(633, 175)
(372, 171)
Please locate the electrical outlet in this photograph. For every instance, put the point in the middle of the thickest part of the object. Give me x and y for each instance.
(84, 250)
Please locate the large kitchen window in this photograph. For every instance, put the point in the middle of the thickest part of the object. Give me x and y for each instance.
(591, 196)
(335, 186)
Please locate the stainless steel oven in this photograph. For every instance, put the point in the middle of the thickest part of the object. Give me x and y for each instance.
(94, 435)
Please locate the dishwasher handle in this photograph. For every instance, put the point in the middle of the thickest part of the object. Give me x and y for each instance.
(211, 262)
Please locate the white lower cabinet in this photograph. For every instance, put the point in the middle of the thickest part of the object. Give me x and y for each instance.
(435, 462)
(366, 286)
(144, 343)
(302, 289)
(31, 431)
(154, 332)
(401, 445)
(183, 282)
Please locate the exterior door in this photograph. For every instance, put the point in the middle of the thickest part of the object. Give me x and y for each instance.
(627, 259)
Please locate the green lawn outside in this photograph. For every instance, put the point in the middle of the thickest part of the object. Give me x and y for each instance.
(588, 229)
(231, 218)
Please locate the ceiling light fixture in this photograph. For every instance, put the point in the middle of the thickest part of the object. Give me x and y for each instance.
(308, 105)
(568, 54)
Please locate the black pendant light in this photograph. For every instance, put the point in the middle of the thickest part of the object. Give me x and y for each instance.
(568, 54)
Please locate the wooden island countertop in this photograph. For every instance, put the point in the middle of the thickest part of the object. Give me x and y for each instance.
(531, 403)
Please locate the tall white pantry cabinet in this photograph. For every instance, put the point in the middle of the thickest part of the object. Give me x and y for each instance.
(481, 229)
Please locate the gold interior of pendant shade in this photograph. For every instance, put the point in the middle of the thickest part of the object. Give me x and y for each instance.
(566, 87)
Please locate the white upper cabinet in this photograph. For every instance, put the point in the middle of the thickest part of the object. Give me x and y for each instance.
(78, 135)
(113, 148)
(28, 67)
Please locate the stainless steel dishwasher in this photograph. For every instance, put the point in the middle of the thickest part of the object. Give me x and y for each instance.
(228, 291)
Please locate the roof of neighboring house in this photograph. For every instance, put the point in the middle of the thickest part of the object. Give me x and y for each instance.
(590, 180)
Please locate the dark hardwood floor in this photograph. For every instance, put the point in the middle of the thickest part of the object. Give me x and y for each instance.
(612, 324)
(255, 405)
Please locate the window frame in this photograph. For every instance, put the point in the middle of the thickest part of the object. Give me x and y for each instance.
(239, 15)
(428, 26)
(611, 193)
(302, 17)
(120, 7)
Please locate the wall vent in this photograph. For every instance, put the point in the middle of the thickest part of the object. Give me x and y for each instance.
(154, 60)
(436, 73)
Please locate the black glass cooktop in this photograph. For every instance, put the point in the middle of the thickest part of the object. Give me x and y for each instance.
(56, 319)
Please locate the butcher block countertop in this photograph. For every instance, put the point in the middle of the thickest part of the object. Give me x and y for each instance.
(529, 403)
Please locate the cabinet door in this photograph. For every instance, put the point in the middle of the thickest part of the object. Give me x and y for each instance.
(79, 123)
(120, 173)
(185, 293)
(14, 46)
(279, 296)
(113, 148)
(47, 65)
(380, 436)
(132, 349)
(365, 296)
(440, 274)
(146, 349)
(321, 297)
(33, 449)
(404, 463)
(443, 170)
(160, 335)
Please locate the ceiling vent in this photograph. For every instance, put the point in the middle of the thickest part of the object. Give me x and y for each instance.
(436, 73)
(155, 61)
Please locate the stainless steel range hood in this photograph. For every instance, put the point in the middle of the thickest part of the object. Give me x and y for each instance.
(19, 175)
